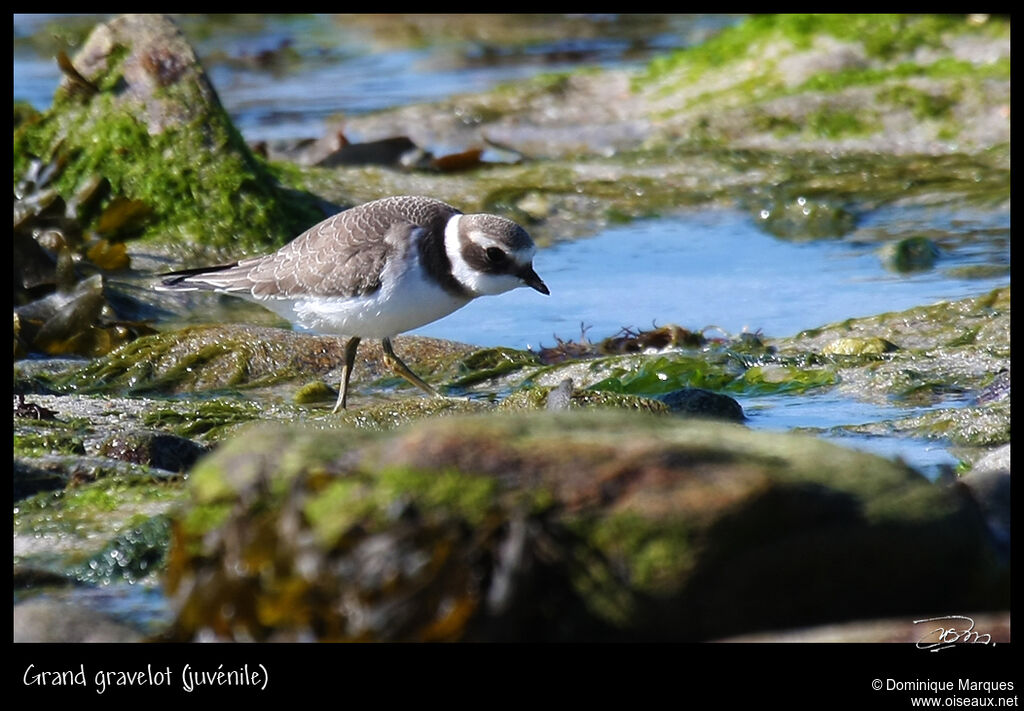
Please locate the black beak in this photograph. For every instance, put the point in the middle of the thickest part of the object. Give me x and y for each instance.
(530, 278)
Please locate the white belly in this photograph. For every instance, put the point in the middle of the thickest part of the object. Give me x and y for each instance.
(406, 300)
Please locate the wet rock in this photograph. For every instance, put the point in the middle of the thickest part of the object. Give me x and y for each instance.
(395, 152)
(155, 449)
(859, 346)
(560, 396)
(582, 526)
(990, 627)
(567, 398)
(802, 218)
(912, 254)
(703, 403)
(27, 577)
(30, 479)
(389, 415)
(45, 620)
(954, 351)
(998, 460)
(130, 557)
(998, 389)
(457, 162)
(988, 483)
(78, 469)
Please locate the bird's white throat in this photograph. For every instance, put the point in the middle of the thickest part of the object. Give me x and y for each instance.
(478, 283)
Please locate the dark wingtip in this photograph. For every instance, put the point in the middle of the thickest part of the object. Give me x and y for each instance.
(179, 277)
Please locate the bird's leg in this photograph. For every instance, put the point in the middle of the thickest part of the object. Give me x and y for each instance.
(346, 372)
(396, 364)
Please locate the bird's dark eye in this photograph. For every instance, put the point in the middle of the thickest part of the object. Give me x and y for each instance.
(495, 255)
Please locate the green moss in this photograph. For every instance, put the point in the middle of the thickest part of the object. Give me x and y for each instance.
(926, 104)
(200, 180)
(778, 125)
(836, 123)
(470, 497)
(922, 104)
(317, 391)
(657, 552)
(24, 112)
(336, 509)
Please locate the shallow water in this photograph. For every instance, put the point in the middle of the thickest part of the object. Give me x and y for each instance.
(318, 66)
(717, 268)
(822, 411)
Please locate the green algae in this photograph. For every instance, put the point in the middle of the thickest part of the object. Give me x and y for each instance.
(65, 525)
(45, 439)
(722, 372)
(784, 379)
(972, 427)
(883, 36)
(896, 92)
(664, 374)
(859, 347)
(836, 123)
(922, 104)
(208, 419)
(131, 556)
(192, 359)
(198, 178)
(491, 363)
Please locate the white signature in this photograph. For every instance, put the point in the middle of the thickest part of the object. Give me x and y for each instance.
(949, 636)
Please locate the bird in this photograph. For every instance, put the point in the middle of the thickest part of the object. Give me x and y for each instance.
(377, 270)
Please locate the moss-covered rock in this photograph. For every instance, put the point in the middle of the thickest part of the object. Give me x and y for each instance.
(104, 530)
(561, 526)
(137, 110)
(539, 398)
(231, 357)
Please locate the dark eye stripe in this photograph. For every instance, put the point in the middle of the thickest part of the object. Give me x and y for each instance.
(481, 260)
